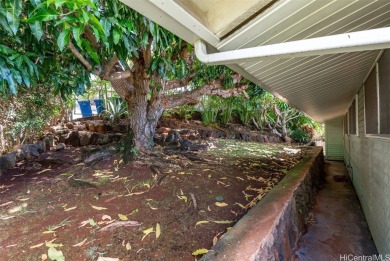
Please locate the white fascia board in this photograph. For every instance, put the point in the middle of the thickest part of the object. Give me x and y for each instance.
(374, 39)
(174, 18)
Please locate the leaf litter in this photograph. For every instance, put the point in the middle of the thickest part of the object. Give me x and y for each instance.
(212, 193)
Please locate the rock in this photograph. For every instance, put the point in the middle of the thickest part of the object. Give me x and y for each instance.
(96, 157)
(73, 139)
(103, 139)
(184, 132)
(80, 127)
(85, 136)
(93, 140)
(49, 142)
(53, 129)
(7, 161)
(191, 137)
(20, 155)
(60, 146)
(101, 128)
(185, 145)
(69, 125)
(119, 128)
(30, 150)
(115, 137)
(90, 126)
(41, 146)
(163, 130)
(173, 138)
(61, 139)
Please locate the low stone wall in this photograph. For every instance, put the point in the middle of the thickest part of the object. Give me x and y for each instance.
(271, 229)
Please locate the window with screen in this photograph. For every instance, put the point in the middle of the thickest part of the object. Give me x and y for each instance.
(384, 93)
(352, 118)
(371, 104)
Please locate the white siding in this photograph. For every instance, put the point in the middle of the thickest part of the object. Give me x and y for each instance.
(334, 139)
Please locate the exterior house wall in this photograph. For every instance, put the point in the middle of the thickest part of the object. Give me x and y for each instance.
(368, 159)
(334, 139)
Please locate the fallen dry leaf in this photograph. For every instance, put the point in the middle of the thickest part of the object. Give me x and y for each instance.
(69, 209)
(97, 208)
(120, 224)
(221, 204)
(128, 246)
(200, 251)
(222, 221)
(106, 217)
(158, 230)
(202, 222)
(183, 198)
(43, 171)
(123, 217)
(48, 232)
(147, 232)
(37, 245)
(101, 258)
(7, 203)
(81, 243)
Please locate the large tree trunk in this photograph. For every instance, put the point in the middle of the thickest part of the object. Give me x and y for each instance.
(143, 113)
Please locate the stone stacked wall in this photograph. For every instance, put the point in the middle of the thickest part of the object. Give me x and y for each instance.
(271, 229)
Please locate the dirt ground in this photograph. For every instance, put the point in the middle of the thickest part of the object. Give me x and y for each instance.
(162, 207)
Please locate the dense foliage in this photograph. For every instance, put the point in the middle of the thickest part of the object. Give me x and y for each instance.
(59, 44)
(24, 117)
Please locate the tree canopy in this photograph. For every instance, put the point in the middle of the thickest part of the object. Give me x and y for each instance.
(60, 43)
(57, 45)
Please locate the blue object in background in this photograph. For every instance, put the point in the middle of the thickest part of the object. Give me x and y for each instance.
(85, 108)
(99, 105)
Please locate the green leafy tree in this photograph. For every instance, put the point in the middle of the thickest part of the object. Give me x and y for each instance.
(62, 42)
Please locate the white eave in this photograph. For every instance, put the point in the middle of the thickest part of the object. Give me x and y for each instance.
(322, 85)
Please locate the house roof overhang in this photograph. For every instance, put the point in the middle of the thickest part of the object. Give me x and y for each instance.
(322, 84)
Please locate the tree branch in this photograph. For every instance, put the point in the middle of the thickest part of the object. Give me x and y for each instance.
(193, 97)
(91, 37)
(79, 56)
(147, 54)
(119, 75)
(173, 84)
(109, 65)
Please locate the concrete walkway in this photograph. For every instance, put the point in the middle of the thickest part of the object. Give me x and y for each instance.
(339, 227)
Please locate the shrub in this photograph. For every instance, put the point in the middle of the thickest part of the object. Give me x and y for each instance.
(301, 136)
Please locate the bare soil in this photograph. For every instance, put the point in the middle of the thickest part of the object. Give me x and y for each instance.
(56, 200)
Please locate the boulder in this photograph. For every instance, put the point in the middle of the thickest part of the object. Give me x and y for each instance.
(101, 128)
(61, 139)
(41, 146)
(120, 128)
(90, 126)
(115, 137)
(80, 127)
(73, 139)
(103, 139)
(7, 161)
(60, 146)
(49, 142)
(94, 138)
(30, 150)
(69, 125)
(96, 157)
(85, 136)
(20, 155)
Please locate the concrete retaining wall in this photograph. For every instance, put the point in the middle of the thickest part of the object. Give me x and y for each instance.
(271, 229)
